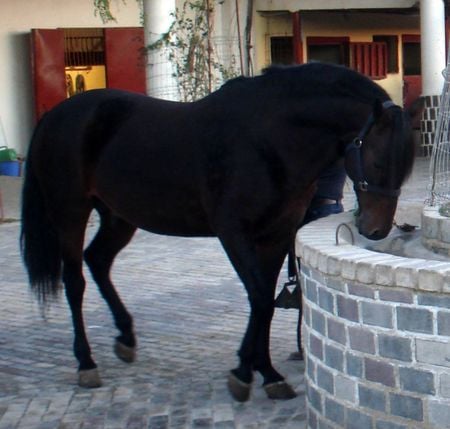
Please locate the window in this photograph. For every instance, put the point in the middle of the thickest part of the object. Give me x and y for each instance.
(332, 50)
(84, 47)
(392, 51)
(369, 58)
(281, 50)
(411, 56)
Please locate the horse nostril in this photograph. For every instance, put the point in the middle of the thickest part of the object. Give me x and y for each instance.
(376, 235)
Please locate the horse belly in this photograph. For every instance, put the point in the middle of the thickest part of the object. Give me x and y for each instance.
(156, 208)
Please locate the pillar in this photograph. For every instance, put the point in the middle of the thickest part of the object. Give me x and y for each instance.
(161, 80)
(297, 38)
(432, 28)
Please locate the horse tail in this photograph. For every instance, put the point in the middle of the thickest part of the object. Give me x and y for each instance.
(39, 240)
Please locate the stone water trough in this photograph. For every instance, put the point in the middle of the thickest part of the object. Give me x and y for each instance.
(376, 325)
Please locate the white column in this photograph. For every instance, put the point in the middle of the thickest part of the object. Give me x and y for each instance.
(158, 17)
(432, 27)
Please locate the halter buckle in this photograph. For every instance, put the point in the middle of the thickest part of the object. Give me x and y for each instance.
(363, 186)
(357, 142)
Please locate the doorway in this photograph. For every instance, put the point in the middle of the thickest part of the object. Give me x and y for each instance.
(412, 69)
(98, 58)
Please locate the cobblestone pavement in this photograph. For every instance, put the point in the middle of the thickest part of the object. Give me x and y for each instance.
(190, 312)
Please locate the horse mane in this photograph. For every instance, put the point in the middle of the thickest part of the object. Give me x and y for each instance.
(321, 80)
(314, 80)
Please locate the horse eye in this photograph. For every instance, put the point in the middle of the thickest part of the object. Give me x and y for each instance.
(378, 166)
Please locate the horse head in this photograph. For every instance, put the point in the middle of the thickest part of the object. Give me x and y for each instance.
(378, 160)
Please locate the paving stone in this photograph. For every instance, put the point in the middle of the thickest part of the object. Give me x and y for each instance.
(190, 312)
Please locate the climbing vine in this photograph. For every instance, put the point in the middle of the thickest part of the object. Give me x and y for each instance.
(190, 48)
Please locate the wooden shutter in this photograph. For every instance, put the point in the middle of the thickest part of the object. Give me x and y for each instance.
(125, 59)
(369, 58)
(47, 53)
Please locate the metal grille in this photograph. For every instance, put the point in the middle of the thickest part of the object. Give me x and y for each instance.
(84, 47)
(440, 158)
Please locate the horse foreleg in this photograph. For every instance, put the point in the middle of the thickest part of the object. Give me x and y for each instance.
(258, 269)
(113, 235)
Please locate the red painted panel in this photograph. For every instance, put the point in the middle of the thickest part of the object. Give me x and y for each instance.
(47, 51)
(125, 59)
(297, 38)
(412, 83)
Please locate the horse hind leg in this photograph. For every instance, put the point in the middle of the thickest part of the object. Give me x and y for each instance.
(113, 235)
(71, 238)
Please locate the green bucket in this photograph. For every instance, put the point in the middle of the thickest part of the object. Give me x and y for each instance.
(7, 154)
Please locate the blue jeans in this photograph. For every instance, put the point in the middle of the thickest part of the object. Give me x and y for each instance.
(317, 212)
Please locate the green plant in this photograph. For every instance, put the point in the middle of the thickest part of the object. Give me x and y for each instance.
(102, 8)
(189, 46)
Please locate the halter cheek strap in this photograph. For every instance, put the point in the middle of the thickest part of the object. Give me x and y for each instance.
(354, 158)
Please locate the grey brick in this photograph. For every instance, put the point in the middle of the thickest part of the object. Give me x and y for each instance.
(380, 372)
(406, 406)
(326, 300)
(358, 420)
(324, 425)
(433, 300)
(395, 347)
(334, 411)
(361, 290)
(318, 321)
(311, 369)
(354, 365)
(336, 331)
(347, 308)
(315, 398)
(415, 320)
(325, 379)
(416, 380)
(345, 388)
(377, 314)
(335, 284)
(434, 352)
(306, 313)
(311, 290)
(396, 296)
(315, 345)
(443, 319)
(312, 419)
(389, 425)
(439, 414)
(334, 357)
(361, 339)
(372, 398)
(317, 276)
(305, 271)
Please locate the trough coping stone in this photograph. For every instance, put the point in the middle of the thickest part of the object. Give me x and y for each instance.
(343, 259)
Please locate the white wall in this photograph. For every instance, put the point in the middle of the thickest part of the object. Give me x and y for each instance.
(17, 18)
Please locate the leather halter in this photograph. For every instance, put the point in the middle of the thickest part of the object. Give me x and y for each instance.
(353, 154)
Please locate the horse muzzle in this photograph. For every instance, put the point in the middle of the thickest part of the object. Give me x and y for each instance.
(372, 229)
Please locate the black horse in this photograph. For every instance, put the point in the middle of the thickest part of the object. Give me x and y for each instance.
(240, 165)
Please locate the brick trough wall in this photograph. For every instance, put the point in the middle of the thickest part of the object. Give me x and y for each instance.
(376, 335)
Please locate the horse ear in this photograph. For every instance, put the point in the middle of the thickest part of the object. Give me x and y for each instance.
(377, 109)
(415, 111)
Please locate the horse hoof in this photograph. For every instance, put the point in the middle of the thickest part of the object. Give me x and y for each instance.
(238, 389)
(125, 353)
(89, 378)
(279, 390)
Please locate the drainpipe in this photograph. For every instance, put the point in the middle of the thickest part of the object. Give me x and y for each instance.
(432, 28)
(159, 15)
